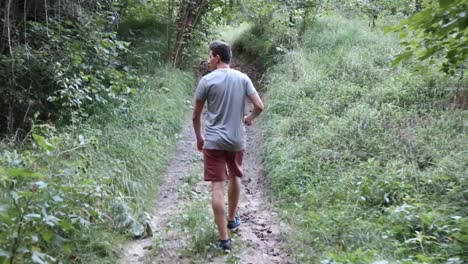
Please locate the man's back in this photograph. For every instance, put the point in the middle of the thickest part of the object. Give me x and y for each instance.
(225, 91)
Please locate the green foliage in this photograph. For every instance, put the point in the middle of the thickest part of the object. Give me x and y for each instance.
(375, 8)
(276, 27)
(154, 10)
(197, 223)
(437, 33)
(98, 177)
(231, 34)
(379, 173)
(145, 25)
(217, 13)
(149, 43)
(49, 201)
(91, 73)
(263, 42)
(153, 128)
(69, 67)
(372, 9)
(71, 193)
(182, 27)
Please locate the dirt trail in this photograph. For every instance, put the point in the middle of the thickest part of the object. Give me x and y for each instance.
(258, 240)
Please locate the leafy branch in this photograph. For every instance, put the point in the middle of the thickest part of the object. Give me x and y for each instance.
(438, 33)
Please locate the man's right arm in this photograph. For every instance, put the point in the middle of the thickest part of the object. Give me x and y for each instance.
(257, 110)
(196, 116)
(200, 97)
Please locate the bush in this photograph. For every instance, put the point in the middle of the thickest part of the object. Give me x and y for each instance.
(263, 42)
(67, 68)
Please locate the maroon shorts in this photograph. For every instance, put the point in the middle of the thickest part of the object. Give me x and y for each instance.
(218, 162)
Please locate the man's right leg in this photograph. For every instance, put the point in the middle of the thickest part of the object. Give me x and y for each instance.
(217, 203)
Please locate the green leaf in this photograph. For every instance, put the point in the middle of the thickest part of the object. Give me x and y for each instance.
(38, 257)
(43, 142)
(31, 216)
(67, 249)
(66, 225)
(51, 220)
(4, 207)
(25, 173)
(401, 57)
(428, 53)
(15, 195)
(148, 230)
(47, 236)
(5, 253)
(57, 198)
(445, 3)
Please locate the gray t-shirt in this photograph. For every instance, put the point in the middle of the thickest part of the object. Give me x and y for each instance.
(224, 91)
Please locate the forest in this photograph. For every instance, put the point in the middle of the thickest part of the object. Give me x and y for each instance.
(363, 141)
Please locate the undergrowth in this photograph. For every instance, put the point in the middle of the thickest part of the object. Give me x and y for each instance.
(74, 193)
(368, 161)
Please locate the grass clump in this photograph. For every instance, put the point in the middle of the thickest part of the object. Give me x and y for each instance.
(196, 220)
(368, 161)
(197, 223)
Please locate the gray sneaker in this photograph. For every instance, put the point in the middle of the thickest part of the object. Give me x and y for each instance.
(234, 225)
(224, 244)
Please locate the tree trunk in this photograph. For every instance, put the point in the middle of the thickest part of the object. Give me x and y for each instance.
(2, 26)
(14, 15)
(10, 120)
(5, 22)
(184, 11)
(189, 16)
(169, 27)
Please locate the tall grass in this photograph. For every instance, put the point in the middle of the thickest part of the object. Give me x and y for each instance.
(369, 162)
(137, 141)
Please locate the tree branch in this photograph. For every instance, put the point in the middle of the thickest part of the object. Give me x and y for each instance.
(7, 18)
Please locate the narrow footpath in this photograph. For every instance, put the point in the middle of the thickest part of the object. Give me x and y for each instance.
(183, 225)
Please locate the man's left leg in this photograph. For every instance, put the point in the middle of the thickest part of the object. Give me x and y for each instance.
(217, 203)
(233, 196)
(234, 163)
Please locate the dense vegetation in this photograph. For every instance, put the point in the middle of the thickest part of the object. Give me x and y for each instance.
(87, 143)
(60, 61)
(73, 185)
(367, 157)
(368, 161)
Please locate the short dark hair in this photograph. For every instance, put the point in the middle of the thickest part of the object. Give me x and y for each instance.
(222, 49)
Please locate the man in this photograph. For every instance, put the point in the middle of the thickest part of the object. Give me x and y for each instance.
(224, 90)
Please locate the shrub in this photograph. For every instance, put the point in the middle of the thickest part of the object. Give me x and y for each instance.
(69, 66)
